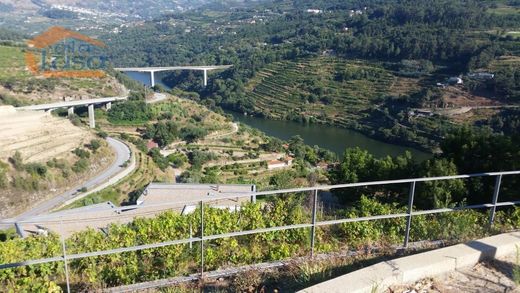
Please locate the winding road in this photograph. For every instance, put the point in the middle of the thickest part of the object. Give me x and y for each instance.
(123, 154)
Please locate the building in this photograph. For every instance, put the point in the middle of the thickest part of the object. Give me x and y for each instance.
(157, 198)
(481, 75)
(314, 11)
(455, 80)
(151, 144)
(420, 113)
(279, 164)
(189, 194)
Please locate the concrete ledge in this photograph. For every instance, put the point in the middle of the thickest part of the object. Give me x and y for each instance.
(412, 268)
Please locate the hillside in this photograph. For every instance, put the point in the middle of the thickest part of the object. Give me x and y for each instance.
(39, 158)
(33, 16)
(313, 89)
(370, 67)
(38, 136)
(19, 86)
(42, 155)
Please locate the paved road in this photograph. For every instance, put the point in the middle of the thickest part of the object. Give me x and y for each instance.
(122, 155)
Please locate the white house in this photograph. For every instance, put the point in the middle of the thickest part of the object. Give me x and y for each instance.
(278, 164)
(455, 80)
(314, 11)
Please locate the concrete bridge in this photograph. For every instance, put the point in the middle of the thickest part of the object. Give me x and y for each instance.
(153, 70)
(70, 105)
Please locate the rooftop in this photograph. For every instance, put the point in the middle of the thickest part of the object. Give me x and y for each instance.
(157, 198)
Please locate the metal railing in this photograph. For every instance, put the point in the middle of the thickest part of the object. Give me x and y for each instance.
(313, 225)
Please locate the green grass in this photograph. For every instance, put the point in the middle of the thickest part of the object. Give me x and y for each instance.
(12, 62)
(109, 194)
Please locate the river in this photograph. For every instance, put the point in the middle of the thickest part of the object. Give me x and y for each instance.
(334, 138)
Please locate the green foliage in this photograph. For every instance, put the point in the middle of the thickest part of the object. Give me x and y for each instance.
(440, 194)
(177, 159)
(102, 134)
(94, 145)
(193, 133)
(80, 166)
(130, 112)
(476, 151)
(81, 153)
(36, 169)
(17, 161)
(198, 158)
(159, 159)
(282, 180)
(359, 166)
(163, 133)
(3, 174)
(136, 96)
(506, 122)
(369, 232)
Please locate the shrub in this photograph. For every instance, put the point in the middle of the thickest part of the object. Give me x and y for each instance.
(159, 159)
(3, 174)
(81, 153)
(177, 159)
(80, 166)
(193, 133)
(36, 169)
(94, 145)
(102, 134)
(17, 161)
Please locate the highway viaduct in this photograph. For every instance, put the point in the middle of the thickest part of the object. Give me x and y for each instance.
(153, 70)
(70, 105)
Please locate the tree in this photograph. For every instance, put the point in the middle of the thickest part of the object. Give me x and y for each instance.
(162, 133)
(193, 133)
(158, 158)
(440, 194)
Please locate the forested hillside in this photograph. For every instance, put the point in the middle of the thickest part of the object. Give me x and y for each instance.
(426, 42)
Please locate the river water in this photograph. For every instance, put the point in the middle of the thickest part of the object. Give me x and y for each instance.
(334, 138)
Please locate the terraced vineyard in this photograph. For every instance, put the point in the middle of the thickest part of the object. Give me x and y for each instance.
(324, 89)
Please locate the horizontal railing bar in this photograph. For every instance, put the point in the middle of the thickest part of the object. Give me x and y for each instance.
(508, 203)
(31, 262)
(257, 231)
(133, 248)
(362, 219)
(293, 190)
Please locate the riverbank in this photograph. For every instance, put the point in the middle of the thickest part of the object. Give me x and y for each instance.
(334, 138)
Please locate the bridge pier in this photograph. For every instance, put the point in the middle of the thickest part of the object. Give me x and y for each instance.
(70, 111)
(108, 106)
(152, 78)
(205, 77)
(91, 119)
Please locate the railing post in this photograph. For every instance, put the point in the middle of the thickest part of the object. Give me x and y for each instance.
(201, 240)
(313, 229)
(191, 236)
(411, 195)
(498, 182)
(64, 249)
